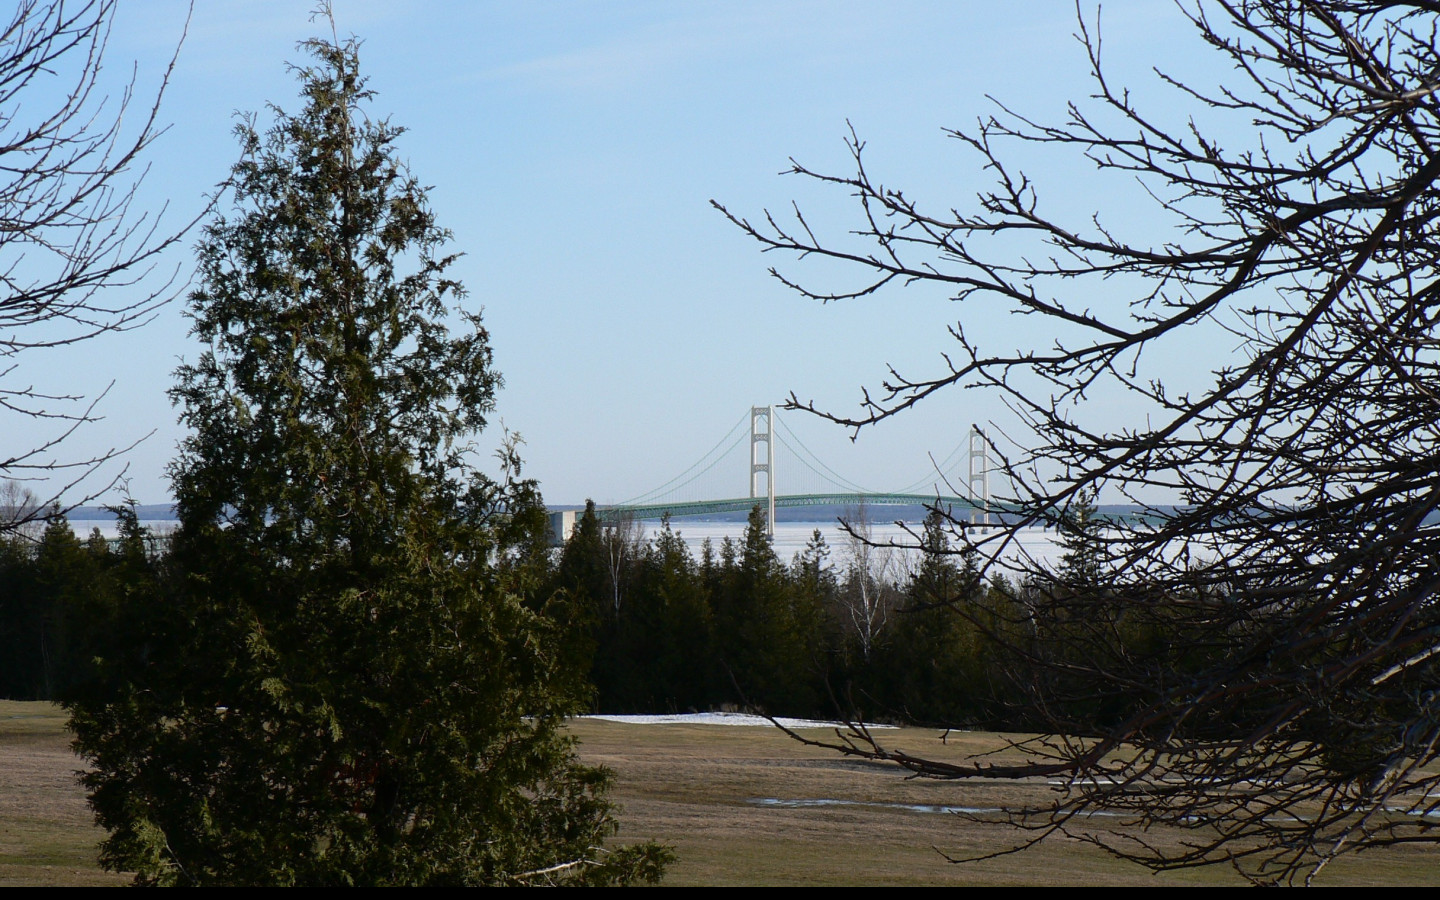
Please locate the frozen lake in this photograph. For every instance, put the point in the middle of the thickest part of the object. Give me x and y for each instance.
(790, 537)
(107, 529)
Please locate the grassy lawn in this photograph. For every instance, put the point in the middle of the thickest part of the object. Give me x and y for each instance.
(702, 789)
(697, 786)
(46, 833)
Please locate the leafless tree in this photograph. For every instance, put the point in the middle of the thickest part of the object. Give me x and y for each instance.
(868, 595)
(1284, 703)
(20, 511)
(624, 540)
(76, 257)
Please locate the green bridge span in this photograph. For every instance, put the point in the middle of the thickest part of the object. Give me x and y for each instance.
(787, 501)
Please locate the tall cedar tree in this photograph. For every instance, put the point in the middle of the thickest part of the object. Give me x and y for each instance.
(367, 691)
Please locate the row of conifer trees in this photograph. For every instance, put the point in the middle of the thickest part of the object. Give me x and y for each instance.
(662, 630)
(651, 626)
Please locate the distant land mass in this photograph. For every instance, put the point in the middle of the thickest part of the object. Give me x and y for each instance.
(164, 512)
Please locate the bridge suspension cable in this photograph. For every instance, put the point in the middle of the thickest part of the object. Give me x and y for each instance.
(928, 481)
(687, 491)
(734, 436)
(834, 478)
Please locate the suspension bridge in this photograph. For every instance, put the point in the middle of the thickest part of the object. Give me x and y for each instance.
(775, 455)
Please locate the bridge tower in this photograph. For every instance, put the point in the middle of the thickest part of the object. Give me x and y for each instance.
(979, 478)
(767, 437)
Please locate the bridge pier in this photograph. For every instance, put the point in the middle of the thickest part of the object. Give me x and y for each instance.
(562, 524)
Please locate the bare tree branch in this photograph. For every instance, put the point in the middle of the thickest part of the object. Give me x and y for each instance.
(77, 258)
(1255, 659)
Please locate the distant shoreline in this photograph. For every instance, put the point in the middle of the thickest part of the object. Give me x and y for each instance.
(145, 512)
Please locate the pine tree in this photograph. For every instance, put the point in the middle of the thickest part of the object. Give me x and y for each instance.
(816, 591)
(681, 623)
(767, 644)
(368, 689)
(1081, 535)
(931, 667)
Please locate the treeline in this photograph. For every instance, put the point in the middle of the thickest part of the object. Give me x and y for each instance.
(918, 637)
(860, 629)
(59, 596)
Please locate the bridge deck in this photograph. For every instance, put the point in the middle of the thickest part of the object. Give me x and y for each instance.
(788, 501)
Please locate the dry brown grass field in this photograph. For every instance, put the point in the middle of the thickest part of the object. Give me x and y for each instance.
(702, 789)
(46, 834)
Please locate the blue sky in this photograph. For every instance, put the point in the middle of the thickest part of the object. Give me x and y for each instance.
(573, 150)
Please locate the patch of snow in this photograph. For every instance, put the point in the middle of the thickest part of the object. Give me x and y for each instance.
(914, 807)
(722, 718)
(908, 807)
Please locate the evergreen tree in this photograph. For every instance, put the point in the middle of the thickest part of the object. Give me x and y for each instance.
(40, 583)
(602, 632)
(360, 683)
(680, 623)
(17, 574)
(58, 605)
(1080, 533)
(120, 632)
(582, 570)
(66, 571)
(811, 566)
(21, 616)
(580, 579)
(815, 588)
(768, 643)
(931, 666)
